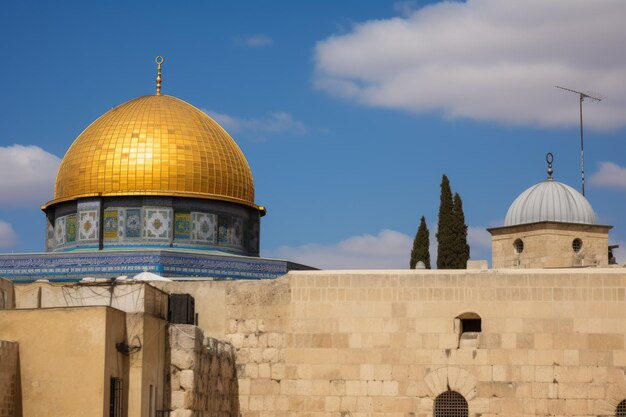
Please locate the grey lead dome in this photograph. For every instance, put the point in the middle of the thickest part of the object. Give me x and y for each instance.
(550, 201)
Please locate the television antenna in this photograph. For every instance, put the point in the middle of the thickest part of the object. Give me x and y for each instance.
(582, 96)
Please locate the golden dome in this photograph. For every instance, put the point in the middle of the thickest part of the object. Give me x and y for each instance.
(155, 145)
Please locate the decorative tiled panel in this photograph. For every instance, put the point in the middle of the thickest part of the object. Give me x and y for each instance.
(50, 240)
(204, 227)
(114, 224)
(88, 225)
(230, 231)
(77, 265)
(182, 225)
(88, 221)
(111, 224)
(157, 223)
(121, 222)
(74, 266)
(224, 229)
(70, 229)
(133, 223)
(219, 266)
(59, 230)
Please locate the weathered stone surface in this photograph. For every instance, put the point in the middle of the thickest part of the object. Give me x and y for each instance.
(177, 400)
(182, 413)
(187, 379)
(182, 359)
(385, 344)
(9, 378)
(204, 370)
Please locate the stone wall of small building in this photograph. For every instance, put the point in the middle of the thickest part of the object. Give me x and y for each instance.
(387, 343)
(203, 377)
(550, 245)
(10, 399)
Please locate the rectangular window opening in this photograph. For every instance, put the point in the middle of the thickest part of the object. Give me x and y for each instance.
(115, 401)
(470, 325)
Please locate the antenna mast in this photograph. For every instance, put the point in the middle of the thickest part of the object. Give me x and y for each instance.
(582, 147)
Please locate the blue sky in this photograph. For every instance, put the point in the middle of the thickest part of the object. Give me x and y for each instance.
(348, 112)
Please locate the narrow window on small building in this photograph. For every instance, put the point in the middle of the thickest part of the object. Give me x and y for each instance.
(518, 245)
(577, 245)
(620, 411)
(469, 329)
(450, 404)
(115, 400)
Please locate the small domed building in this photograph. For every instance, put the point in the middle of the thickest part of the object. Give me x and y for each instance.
(550, 225)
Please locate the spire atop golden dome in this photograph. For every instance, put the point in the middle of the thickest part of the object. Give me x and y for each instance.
(159, 60)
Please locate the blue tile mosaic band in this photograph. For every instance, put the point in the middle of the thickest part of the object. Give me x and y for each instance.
(73, 266)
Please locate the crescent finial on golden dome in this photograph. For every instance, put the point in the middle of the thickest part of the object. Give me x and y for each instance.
(159, 61)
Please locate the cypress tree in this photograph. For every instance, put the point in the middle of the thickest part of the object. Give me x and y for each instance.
(461, 248)
(421, 243)
(445, 227)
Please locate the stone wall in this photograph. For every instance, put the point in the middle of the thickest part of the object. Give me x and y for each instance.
(10, 398)
(549, 245)
(70, 352)
(364, 343)
(7, 299)
(203, 377)
(66, 356)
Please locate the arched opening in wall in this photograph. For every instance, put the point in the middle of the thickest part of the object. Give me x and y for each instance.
(450, 404)
(518, 246)
(469, 326)
(620, 411)
(577, 245)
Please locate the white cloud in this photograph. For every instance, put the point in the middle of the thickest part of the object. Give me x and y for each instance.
(486, 60)
(388, 249)
(406, 7)
(273, 122)
(8, 238)
(609, 175)
(254, 41)
(27, 175)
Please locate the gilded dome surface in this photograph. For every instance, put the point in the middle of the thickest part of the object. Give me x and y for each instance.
(550, 201)
(155, 145)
